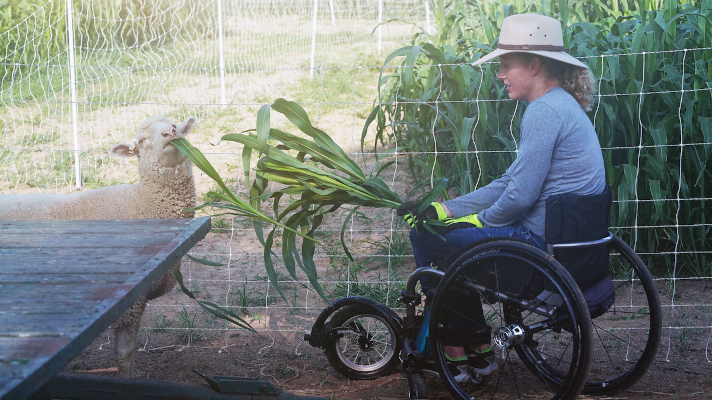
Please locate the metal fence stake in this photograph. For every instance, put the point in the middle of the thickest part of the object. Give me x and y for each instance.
(313, 46)
(221, 44)
(73, 90)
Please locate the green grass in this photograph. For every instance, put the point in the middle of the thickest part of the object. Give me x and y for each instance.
(390, 251)
(334, 87)
(253, 294)
(186, 327)
(162, 323)
(221, 224)
(384, 291)
(37, 138)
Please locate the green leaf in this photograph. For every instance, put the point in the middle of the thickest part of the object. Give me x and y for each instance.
(382, 189)
(263, 128)
(308, 248)
(269, 266)
(205, 262)
(438, 186)
(212, 308)
(299, 117)
(343, 230)
(369, 120)
(197, 157)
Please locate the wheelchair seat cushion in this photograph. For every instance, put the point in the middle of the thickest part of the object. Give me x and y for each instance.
(600, 297)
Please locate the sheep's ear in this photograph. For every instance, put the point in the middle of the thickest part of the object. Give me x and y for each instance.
(186, 126)
(123, 150)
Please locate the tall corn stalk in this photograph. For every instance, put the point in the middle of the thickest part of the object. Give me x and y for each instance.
(457, 123)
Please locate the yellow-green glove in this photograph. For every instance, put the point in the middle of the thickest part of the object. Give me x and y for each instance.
(434, 211)
(450, 224)
(467, 221)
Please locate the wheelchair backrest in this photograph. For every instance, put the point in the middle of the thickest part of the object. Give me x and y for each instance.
(572, 218)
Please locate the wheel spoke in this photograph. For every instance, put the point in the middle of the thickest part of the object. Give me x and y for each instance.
(512, 275)
(368, 347)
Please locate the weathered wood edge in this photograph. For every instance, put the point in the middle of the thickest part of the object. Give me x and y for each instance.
(195, 230)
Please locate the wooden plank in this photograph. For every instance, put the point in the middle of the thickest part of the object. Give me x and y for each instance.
(33, 346)
(26, 306)
(108, 226)
(52, 256)
(80, 311)
(81, 266)
(58, 293)
(47, 278)
(45, 309)
(47, 254)
(82, 241)
(28, 325)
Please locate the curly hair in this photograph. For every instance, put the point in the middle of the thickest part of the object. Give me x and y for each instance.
(577, 81)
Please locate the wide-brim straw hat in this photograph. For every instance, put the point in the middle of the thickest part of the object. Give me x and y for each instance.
(532, 33)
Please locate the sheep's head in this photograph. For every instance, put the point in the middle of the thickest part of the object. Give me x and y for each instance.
(153, 139)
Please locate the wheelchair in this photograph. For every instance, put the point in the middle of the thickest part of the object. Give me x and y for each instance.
(551, 337)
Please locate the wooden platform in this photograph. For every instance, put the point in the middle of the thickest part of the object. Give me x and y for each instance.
(62, 283)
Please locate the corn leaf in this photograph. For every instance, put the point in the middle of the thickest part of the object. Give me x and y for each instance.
(205, 262)
(262, 128)
(314, 176)
(197, 157)
(212, 308)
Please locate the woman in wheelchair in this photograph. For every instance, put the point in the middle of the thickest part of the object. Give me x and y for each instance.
(558, 153)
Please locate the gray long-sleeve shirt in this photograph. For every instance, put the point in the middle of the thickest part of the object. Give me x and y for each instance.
(558, 153)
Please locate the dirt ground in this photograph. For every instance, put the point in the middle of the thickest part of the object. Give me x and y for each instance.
(170, 351)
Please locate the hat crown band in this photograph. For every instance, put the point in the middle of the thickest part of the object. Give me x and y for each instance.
(532, 47)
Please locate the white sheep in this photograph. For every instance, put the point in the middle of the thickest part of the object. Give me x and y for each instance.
(165, 188)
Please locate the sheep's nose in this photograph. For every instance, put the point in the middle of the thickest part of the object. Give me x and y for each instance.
(171, 133)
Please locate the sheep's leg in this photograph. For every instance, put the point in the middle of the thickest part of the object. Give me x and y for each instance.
(126, 327)
(125, 336)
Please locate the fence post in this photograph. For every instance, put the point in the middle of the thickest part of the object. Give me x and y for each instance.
(427, 17)
(223, 98)
(333, 16)
(73, 90)
(380, 20)
(313, 47)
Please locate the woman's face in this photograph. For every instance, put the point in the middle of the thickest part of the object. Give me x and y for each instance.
(517, 77)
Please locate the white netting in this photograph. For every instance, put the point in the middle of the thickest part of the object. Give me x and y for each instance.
(170, 58)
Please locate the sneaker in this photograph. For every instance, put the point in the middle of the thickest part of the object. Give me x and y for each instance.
(460, 369)
(482, 362)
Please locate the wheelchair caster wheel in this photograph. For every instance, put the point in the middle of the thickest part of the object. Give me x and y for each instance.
(417, 389)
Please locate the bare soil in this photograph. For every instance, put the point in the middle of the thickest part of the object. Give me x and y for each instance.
(279, 355)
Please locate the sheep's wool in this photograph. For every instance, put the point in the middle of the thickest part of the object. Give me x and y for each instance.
(161, 192)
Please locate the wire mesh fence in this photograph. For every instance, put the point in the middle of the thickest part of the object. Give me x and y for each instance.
(220, 60)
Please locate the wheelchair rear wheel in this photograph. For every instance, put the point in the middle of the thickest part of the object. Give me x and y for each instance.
(534, 307)
(626, 338)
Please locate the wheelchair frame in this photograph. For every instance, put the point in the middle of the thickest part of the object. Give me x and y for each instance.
(410, 336)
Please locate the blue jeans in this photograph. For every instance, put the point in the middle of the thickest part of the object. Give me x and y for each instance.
(466, 323)
(428, 248)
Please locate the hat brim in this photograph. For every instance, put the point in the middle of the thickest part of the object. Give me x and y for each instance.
(556, 55)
